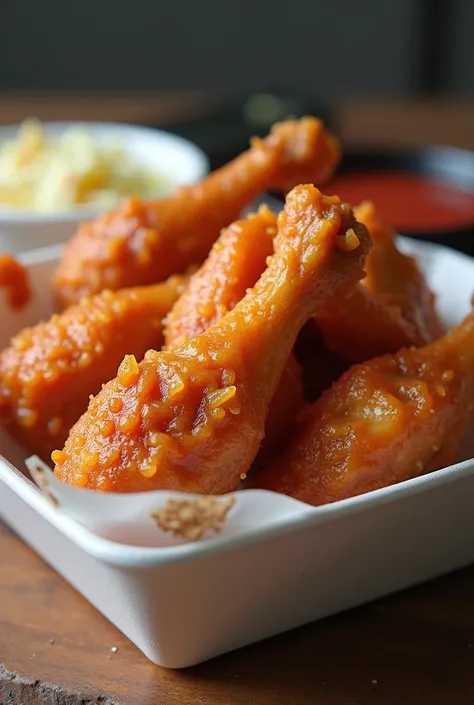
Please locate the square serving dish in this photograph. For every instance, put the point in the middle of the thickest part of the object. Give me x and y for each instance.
(279, 564)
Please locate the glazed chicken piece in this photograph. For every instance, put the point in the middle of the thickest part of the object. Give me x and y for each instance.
(382, 422)
(143, 243)
(363, 325)
(390, 309)
(49, 371)
(193, 419)
(397, 279)
(235, 262)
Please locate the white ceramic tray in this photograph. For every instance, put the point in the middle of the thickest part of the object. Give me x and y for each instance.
(277, 563)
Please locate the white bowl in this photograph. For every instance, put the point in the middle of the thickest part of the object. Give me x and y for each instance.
(170, 155)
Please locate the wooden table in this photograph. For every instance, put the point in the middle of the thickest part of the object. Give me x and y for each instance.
(136, 108)
(358, 123)
(415, 648)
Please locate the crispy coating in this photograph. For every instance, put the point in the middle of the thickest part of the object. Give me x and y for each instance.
(15, 280)
(142, 243)
(397, 278)
(235, 262)
(49, 371)
(382, 422)
(193, 418)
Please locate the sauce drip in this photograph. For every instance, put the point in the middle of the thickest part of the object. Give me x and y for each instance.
(409, 202)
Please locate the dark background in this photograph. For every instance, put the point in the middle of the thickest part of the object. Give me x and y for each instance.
(325, 49)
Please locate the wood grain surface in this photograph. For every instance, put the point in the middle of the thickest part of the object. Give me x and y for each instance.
(141, 108)
(359, 123)
(415, 648)
(405, 124)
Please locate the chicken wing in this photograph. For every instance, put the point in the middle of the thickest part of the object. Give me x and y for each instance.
(193, 418)
(382, 422)
(142, 243)
(397, 278)
(235, 262)
(49, 371)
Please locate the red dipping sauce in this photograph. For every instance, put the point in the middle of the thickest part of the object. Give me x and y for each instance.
(411, 203)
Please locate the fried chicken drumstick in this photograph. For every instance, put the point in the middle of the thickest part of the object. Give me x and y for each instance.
(382, 422)
(391, 308)
(397, 278)
(235, 263)
(143, 243)
(193, 419)
(362, 325)
(49, 371)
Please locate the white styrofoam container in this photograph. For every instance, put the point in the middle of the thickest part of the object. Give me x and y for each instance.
(280, 564)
